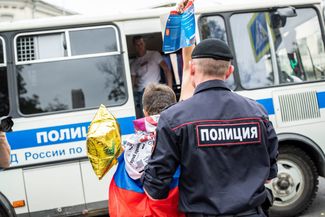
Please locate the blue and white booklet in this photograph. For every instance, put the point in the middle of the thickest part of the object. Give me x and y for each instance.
(178, 29)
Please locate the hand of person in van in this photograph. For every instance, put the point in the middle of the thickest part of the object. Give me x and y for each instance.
(182, 5)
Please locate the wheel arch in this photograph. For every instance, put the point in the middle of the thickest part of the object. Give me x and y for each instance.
(308, 146)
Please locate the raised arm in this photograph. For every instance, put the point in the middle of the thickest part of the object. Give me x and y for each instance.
(187, 88)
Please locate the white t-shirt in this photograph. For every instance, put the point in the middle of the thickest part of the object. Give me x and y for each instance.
(147, 69)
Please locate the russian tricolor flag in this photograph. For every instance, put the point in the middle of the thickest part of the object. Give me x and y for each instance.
(127, 197)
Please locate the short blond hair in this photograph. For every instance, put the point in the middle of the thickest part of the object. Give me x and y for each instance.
(210, 66)
(157, 97)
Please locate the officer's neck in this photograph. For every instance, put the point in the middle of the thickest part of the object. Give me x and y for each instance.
(200, 78)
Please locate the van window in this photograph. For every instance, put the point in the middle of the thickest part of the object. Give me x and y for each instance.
(214, 27)
(45, 46)
(4, 99)
(66, 43)
(271, 53)
(254, 70)
(73, 82)
(301, 53)
(91, 41)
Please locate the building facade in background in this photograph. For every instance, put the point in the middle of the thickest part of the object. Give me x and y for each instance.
(12, 10)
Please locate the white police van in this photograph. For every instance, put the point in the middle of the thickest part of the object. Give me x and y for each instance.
(54, 74)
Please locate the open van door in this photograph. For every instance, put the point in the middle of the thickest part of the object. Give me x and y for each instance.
(174, 60)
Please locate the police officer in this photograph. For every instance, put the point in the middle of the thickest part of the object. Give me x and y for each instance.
(224, 143)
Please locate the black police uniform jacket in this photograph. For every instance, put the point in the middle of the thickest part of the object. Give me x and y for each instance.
(226, 148)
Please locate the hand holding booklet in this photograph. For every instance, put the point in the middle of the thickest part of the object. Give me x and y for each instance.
(179, 29)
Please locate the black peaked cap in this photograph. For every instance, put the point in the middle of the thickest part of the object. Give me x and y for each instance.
(212, 48)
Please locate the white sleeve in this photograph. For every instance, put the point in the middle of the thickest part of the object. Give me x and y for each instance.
(132, 68)
(157, 57)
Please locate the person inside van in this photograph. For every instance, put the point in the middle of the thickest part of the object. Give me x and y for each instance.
(145, 69)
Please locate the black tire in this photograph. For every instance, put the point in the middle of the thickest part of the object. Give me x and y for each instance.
(3, 212)
(6, 210)
(296, 185)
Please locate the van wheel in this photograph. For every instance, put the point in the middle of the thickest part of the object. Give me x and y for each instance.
(6, 210)
(296, 185)
(3, 212)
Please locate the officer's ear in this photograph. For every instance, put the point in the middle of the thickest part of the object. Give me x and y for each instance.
(192, 74)
(192, 70)
(230, 71)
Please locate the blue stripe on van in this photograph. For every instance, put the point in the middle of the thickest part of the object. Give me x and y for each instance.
(28, 138)
(321, 99)
(268, 105)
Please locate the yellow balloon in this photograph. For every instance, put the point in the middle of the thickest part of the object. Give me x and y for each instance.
(103, 142)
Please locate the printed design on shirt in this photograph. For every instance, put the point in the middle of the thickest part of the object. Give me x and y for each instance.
(144, 63)
(226, 134)
(138, 149)
(143, 68)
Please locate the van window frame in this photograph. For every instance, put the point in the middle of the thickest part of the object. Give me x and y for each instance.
(4, 64)
(63, 29)
(69, 56)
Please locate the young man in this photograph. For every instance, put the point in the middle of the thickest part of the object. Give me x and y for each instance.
(126, 195)
(145, 69)
(224, 143)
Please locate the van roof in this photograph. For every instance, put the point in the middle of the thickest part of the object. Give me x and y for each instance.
(201, 7)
